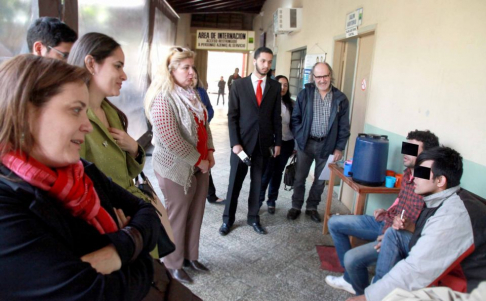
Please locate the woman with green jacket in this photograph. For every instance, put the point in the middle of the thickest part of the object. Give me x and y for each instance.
(109, 146)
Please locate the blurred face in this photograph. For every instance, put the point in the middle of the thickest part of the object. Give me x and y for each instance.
(409, 161)
(237, 71)
(109, 75)
(285, 86)
(426, 187)
(322, 77)
(263, 64)
(184, 73)
(59, 127)
(194, 80)
(60, 52)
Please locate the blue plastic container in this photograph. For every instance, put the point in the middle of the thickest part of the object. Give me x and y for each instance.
(370, 159)
(347, 167)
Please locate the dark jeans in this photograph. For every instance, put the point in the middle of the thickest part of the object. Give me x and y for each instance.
(305, 158)
(394, 248)
(272, 178)
(220, 92)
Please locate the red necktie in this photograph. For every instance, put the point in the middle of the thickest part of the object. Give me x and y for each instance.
(259, 92)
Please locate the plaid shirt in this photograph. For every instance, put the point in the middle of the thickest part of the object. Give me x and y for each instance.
(408, 200)
(322, 111)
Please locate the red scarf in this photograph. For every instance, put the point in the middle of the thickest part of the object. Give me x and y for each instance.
(69, 185)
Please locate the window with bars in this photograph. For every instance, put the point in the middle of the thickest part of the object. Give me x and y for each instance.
(296, 72)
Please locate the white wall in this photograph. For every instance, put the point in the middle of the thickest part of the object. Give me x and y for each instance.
(183, 37)
(428, 67)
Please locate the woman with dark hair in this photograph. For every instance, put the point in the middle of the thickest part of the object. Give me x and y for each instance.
(203, 95)
(67, 231)
(272, 178)
(109, 146)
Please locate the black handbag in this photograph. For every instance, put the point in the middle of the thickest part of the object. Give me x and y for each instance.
(289, 174)
(164, 242)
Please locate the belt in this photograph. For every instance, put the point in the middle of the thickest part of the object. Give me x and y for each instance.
(318, 139)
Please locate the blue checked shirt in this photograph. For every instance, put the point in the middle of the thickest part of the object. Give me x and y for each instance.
(322, 111)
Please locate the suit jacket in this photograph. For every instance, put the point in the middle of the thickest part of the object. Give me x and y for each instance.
(249, 123)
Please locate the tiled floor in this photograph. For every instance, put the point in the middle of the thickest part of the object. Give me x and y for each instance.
(282, 265)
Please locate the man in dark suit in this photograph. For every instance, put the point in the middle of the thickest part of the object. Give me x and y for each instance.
(255, 127)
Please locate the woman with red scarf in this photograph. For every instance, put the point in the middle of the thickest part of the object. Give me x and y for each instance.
(67, 231)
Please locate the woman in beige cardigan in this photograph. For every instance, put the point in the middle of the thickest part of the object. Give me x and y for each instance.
(182, 156)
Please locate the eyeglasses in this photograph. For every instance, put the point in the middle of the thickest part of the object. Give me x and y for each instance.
(63, 54)
(322, 77)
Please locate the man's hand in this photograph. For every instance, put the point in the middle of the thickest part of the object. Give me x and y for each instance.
(378, 245)
(277, 151)
(403, 224)
(379, 214)
(357, 298)
(105, 260)
(338, 155)
(211, 159)
(237, 149)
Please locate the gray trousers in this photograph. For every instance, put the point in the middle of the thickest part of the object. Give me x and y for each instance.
(185, 213)
(304, 162)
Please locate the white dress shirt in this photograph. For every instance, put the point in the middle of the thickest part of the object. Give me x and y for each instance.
(254, 81)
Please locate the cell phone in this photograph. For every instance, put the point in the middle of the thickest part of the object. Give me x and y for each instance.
(244, 157)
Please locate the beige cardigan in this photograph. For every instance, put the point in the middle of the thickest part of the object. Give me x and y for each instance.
(175, 140)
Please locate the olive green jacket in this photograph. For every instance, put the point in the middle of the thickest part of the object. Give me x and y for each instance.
(100, 148)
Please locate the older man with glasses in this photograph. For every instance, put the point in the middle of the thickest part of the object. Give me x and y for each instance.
(51, 37)
(320, 124)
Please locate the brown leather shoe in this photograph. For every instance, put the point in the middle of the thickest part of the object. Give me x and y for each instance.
(181, 275)
(196, 265)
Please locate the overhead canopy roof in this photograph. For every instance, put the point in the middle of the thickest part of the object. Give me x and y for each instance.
(216, 6)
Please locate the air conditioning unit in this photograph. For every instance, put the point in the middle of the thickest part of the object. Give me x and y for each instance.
(286, 20)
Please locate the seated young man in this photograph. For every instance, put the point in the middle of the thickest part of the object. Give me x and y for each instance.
(356, 261)
(444, 235)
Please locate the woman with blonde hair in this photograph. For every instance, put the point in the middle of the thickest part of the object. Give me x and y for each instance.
(182, 156)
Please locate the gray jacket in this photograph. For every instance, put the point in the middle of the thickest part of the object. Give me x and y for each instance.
(446, 237)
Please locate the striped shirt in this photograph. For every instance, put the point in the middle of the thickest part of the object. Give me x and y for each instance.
(322, 111)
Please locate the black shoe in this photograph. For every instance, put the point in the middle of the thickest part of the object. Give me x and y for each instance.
(218, 201)
(180, 275)
(196, 265)
(314, 215)
(258, 228)
(225, 229)
(271, 210)
(293, 213)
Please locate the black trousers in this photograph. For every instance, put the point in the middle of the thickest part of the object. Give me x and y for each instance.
(220, 92)
(237, 176)
(211, 197)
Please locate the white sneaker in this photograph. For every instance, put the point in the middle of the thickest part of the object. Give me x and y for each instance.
(340, 283)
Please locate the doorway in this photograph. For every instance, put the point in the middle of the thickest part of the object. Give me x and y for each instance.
(353, 61)
(222, 64)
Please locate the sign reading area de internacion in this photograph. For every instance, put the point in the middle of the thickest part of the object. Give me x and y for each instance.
(225, 40)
